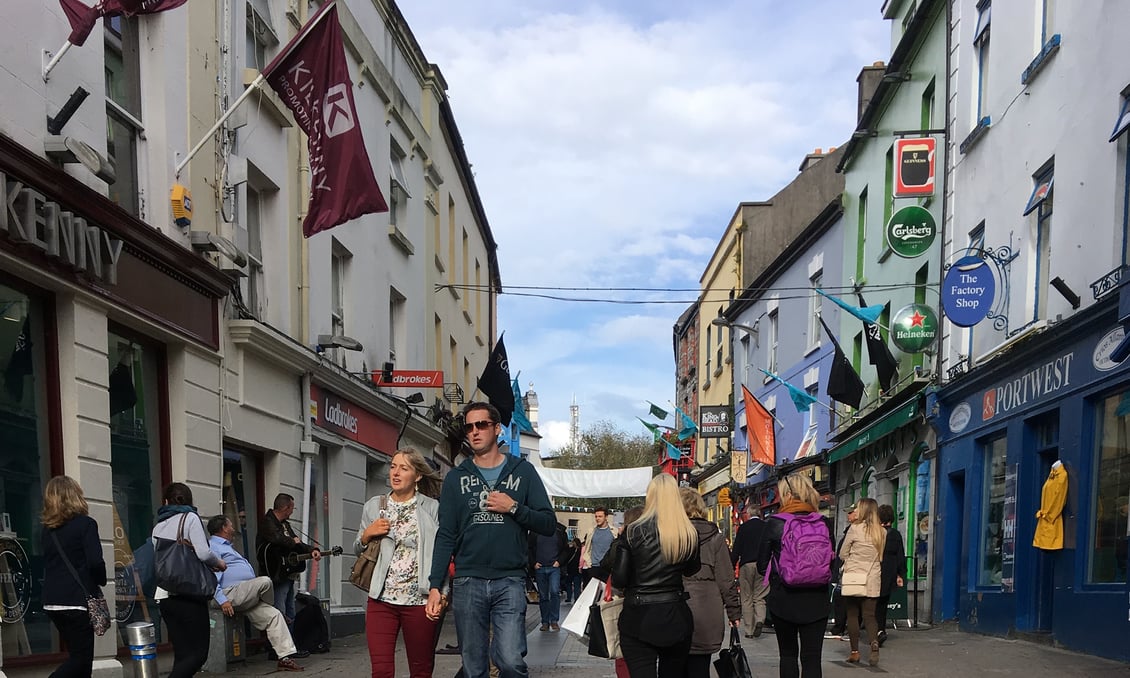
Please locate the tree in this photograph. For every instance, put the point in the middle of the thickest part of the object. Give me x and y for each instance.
(604, 446)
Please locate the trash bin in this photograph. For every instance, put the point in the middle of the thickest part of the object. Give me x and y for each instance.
(142, 640)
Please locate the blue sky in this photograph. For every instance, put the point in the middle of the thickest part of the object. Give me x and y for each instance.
(612, 142)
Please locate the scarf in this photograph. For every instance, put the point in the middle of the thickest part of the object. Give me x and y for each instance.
(797, 506)
(171, 510)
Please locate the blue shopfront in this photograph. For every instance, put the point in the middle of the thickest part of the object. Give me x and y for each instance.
(1053, 399)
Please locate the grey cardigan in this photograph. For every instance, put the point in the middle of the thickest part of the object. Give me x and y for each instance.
(427, 519)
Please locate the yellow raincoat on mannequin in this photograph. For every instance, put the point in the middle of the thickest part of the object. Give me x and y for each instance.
(1049, 519)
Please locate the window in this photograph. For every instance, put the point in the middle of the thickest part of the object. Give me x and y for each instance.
(450, 240)
(992, 512)
(718, 347)
(927, 121)
(709, 343)
(1121, 124)
(397, 323)
(260, 34)
(861, 236)
(814, 306)
(888, 185)
(1111, 527)
(478, 295)
(977, 240)
(771, 343)
(254, 296)
(465, 271)
(981, 45)
(1047, 21)
(437, 338)
(909, 16)
(241, 498)
(123, 110)
(339, 280)
(398, 188)
(1041, 202)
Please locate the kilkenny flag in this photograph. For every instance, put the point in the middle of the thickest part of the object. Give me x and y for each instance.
(868, 314)
(495, 383)
(844, 384)
(759, 430)
(689, 429)
(654, 428)
(878, 354)
(657, 411)
(520, 417)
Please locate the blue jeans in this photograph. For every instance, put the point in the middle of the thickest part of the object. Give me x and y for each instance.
(479, 605)
(284, 600)
(549, 593)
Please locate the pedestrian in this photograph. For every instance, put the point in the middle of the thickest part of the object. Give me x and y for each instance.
(751, 581)
(713, 589)
(596, 546)
(274, 542)
(546, 555)
(839, 626)
(800, 613)
(487, 505)
(630, 516)
(893, 568)
(239, 590)
(656, 623)
(73, 568)
(861, 552)
(405, 521)
(572, 576)
(186, 617)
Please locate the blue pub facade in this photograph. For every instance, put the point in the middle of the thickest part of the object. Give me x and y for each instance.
(1053, 395)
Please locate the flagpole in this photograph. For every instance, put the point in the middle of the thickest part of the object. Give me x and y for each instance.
(55, 59)
(255, 84)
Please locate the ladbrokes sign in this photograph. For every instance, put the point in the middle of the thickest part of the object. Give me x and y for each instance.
(349, 420)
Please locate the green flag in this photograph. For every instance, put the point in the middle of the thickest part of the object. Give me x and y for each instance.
(657, 411)
(654, 428)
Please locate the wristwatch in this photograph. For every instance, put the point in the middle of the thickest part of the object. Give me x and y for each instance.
(513, 510)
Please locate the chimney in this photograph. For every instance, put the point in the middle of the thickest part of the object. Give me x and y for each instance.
(869, 79)
(813, 158)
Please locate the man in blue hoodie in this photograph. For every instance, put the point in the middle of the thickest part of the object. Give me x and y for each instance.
(488, 505)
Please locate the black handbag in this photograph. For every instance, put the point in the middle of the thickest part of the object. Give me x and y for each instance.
(731, 661)
(96, 606)
(603, 628)
(179, 571)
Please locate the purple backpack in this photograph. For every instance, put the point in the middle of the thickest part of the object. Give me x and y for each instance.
(806, 550)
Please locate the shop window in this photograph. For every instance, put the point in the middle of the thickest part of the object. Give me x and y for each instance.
(136, 439)
(1111, 527)
(317, 498)
(124, 129)
(242, 500)
(922, 515)
(992, 512)
(24, 469)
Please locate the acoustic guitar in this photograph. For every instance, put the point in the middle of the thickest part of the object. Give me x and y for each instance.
(280, 563)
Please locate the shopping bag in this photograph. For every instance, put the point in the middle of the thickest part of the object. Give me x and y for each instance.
(576, 622)
(731, 661)
(178, 569)
(604, 624)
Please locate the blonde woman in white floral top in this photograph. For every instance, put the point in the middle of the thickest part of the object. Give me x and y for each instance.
(405, 521)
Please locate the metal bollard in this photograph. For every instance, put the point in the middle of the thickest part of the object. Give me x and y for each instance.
(142, 640)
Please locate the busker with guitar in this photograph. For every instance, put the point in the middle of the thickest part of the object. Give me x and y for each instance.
(276, 541)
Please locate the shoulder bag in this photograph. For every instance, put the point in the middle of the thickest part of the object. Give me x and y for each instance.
(96, 606)
(604, 624)
(732, 661)
(361, 575)
(179, 571)
(854, 584)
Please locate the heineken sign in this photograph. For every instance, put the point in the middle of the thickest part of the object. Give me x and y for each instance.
(911, 231)
(914, 328)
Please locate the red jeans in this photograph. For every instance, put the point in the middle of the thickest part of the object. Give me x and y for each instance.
(383, 623)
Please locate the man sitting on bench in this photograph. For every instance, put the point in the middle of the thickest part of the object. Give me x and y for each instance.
(239, 590)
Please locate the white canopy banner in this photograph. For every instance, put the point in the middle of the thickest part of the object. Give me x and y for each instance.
(620, 482)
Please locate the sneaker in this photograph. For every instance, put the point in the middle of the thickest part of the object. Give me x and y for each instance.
(757, 629)
(544, 627)
(882, 638)
(845, 637)
(554, 627)
(288, 664)
(829, 635)
(450, 649)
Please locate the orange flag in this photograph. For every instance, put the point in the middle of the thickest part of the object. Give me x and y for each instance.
(759, 429)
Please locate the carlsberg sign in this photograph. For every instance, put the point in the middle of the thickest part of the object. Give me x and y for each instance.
(911, 231)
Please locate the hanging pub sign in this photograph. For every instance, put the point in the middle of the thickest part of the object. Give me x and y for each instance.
(714, 421)
(738, 464)
(911, 231)
(914, 167)
(968, 291)
(914, 328)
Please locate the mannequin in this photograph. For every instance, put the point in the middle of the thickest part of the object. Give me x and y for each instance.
(1049, 519)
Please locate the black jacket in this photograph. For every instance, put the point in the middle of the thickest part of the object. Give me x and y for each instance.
(747, 543)
(562, 547)
(79, 539)
(277, 533)
(894, 562)
(797, 605)
(640, 568)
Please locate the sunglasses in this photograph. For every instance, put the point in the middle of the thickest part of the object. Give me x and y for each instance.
(481, 425)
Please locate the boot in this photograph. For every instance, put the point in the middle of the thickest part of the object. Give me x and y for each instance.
(853, 657)
(873, 659)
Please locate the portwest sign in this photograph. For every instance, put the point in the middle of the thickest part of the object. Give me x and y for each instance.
(411, 378)
(968, 291)
(714, 421)
(914, 167)
(1035, 384)
(914, 328)
(27, 216)
(911, 231)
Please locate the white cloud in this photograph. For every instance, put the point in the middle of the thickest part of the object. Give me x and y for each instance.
(611, 143)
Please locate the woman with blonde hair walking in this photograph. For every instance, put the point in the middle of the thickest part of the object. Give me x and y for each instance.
(862, 552)
(73, 569)
(662, 547)
(405, 522)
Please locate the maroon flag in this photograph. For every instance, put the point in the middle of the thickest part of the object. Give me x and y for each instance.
(83, 19)
(131, 7)
(311, 76)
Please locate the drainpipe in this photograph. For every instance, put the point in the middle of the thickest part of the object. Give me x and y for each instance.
(308, 449)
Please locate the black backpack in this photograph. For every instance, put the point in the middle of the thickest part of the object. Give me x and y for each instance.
(311, 630)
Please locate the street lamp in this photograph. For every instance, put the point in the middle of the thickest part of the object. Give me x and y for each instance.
(409, 400)
(753, 329)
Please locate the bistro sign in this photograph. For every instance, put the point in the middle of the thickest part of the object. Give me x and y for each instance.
(714, 421)
(26, 216)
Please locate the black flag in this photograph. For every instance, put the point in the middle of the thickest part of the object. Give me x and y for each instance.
(19, 363)
(495, 383)
(844, 384)
(877, 352)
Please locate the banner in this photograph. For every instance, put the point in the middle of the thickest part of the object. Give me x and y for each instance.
(620, 482)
